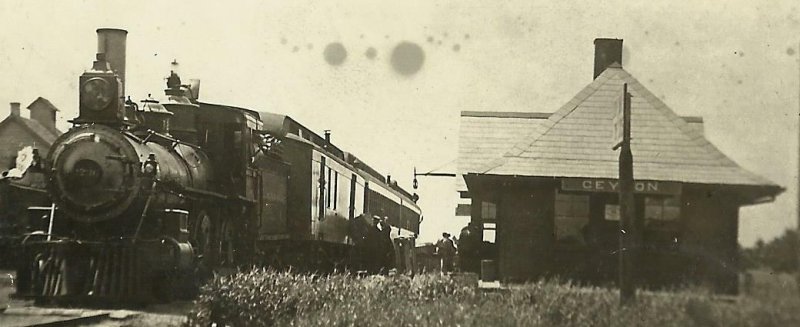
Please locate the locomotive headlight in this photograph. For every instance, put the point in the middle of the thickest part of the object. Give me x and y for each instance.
(96, 94)
(150, 167)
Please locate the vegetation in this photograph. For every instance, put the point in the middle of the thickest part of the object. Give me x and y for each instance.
(779, 254)
(264, 297)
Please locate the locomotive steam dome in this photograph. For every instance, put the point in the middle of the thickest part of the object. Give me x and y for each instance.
(94, 173)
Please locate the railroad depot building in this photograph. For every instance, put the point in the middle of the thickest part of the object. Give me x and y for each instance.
(546, 185)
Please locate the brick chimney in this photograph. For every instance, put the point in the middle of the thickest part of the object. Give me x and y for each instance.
(606, 52)
(15, 109)
(44, 113)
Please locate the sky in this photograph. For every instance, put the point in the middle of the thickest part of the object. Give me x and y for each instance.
(390, 78)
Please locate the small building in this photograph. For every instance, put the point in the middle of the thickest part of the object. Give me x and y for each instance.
(426, 258)
(547, 184)
(17, 132)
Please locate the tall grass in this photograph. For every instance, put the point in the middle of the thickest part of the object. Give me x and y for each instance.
(263, 297)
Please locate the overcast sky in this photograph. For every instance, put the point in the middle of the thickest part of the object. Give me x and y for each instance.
(735, 63)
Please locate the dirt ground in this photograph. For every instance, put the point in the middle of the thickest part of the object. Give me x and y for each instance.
(24, 313)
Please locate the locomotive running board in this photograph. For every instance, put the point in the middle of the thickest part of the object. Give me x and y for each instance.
(196, 191)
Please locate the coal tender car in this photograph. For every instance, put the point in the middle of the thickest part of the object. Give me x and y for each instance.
(153, 197)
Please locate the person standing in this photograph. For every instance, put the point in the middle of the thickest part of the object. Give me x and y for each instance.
(446, 249)
(469, 246)
(361, 233)
(385, 244)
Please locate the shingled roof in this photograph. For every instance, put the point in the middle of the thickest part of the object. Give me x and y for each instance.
(575, 142)
(42, 133)
(485, 136)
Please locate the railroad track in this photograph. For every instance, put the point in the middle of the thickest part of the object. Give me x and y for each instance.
(24, 313)
(62, 317)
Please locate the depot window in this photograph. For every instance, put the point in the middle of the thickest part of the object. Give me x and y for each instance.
(488, 211)
(489, 232)
(571, 215)
(661, 210)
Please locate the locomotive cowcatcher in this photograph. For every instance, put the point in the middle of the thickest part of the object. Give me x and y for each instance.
(154, 197)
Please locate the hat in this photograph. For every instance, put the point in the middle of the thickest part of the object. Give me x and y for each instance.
(445, 234)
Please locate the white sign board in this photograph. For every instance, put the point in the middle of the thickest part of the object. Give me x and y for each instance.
(23, 162)
(612, 212)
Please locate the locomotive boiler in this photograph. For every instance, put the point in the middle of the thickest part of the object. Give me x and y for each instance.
(153, 197)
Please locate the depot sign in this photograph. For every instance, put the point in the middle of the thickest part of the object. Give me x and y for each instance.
(612, 185)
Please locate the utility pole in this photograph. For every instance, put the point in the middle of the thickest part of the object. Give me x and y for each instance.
(797, 171)
(629, 230)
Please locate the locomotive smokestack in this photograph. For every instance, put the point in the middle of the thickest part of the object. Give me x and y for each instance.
(111, 42)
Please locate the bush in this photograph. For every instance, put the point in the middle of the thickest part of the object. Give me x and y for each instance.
(264, 297)
(779, 254)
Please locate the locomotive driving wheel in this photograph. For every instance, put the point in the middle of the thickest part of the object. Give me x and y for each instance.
(226, 245)
(203, 237)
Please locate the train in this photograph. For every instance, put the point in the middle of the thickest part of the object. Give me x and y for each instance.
(151, 198)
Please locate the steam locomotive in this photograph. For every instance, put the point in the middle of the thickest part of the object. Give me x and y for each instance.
(152, 197)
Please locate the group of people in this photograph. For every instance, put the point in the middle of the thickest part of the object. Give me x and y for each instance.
(467, 249)
(373, 243)
(375, 249)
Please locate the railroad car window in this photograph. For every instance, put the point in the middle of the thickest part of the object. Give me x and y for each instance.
(397, 212)
(376, 204)
(255, 142)
(335, 189)
(571, 216)
(366, 197)
(328, 193)
(318, 176)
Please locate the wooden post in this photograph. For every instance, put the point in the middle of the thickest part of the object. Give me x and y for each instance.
(629, 231)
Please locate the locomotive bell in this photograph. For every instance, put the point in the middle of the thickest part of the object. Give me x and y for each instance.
(180, 103)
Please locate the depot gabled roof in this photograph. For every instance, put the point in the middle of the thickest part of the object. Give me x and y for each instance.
(43, 134)
(486, 135)
(575, 141)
